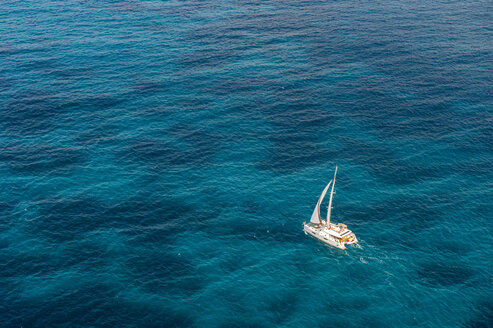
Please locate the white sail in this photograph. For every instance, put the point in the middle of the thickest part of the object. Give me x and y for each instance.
(316, 212)
(329, 209)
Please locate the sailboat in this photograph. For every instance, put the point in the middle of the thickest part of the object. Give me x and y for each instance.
(337, 235)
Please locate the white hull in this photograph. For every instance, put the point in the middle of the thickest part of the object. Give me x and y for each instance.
(322, 235)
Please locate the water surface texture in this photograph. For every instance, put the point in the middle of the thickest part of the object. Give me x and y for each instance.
(157, 159)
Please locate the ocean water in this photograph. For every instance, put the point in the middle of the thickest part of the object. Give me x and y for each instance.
(157, 160)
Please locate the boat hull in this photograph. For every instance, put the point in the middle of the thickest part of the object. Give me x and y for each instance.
(318, 232)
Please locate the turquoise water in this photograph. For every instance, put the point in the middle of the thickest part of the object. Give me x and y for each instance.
(157, 159)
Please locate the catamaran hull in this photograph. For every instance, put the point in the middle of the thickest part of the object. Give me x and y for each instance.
(323, 237)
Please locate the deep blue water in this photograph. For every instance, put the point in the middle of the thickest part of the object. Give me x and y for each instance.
(157, 159)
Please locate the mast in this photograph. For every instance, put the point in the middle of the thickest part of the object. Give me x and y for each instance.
(329, 209)
(316, 218)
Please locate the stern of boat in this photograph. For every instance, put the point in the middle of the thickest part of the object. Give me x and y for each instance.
(352, 240)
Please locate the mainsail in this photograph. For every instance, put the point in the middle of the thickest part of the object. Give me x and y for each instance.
(316, 212)
(329, 209)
